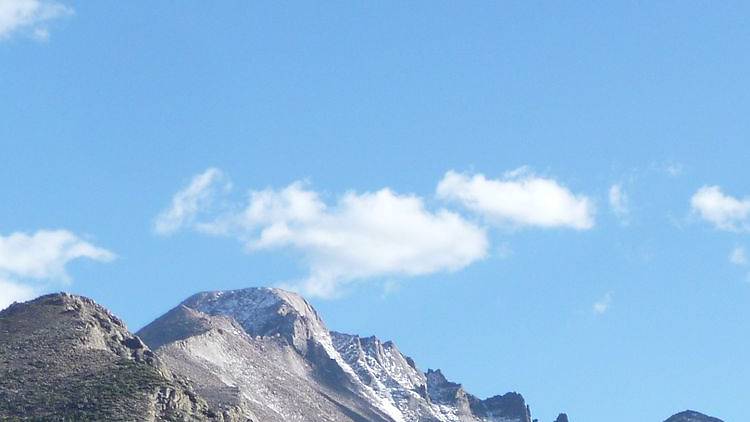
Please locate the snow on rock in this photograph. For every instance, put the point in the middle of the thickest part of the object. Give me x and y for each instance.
(275, 312)
(257, 346)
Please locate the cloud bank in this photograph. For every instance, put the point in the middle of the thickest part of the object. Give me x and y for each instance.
(519, 199)
(357, 236)
(30, 16)
(723, 211)
(362, 235)
(28, 261)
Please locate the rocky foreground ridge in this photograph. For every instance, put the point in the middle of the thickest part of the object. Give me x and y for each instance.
(256, 354)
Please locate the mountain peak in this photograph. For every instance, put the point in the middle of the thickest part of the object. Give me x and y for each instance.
(96, 328)
(86, 366)
(562, 417)
(441, 390)
(264, 311)
(692, 416)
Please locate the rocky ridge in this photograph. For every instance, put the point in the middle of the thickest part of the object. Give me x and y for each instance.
(251, 355)
(64, 357)
(365, 376)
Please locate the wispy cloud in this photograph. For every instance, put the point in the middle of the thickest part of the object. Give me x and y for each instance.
(379, 234)
(196, 197)
(28, 261)
(725, 212)
(519, 199)
(30, 16)
(357, 236)
(602, 305)
(619, 202)
(738, 256)
(674, 169)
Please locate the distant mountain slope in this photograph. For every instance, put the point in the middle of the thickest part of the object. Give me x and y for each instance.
(64, 357)
(265, 377)
(362, 377)
(692, 416)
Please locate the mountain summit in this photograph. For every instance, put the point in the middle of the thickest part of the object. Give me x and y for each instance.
(692, 416)
(250, 355)
(363, 376)
(63, 357)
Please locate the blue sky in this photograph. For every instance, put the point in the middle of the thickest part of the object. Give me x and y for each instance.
(587, 247)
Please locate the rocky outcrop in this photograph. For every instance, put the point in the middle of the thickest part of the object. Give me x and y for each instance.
(562, 417)
(510, 406)
(64, 357)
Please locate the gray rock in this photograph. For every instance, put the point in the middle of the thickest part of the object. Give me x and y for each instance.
(562, 417)
(301, 370)
(254, 354)
(64, 357)
(692, 416)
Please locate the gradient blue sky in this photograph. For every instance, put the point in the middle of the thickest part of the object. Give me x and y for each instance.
(108, 109)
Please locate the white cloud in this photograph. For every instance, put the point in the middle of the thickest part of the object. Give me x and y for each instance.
(603, 304)
(738, 256)
(30, 16)
(188, 202)
(38, 258)
(11, 291)
(44, 254)
(619, 203)
(519, 199)
(359, 236)
(723, 211)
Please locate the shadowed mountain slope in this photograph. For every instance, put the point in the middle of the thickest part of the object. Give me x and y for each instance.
(64, 357)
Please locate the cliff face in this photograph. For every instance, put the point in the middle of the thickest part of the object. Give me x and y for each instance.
(65, 357)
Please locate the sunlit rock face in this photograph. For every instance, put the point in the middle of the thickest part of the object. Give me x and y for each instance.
(257, 354)
(301, 370)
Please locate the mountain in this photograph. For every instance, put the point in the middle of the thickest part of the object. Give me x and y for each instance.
(326, 375)
(250, 355)
(692, 416)
(265, 376)
(64, 357)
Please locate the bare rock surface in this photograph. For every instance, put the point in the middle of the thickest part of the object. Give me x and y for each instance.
(268, 352)
(64, 357)
(251, 355)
